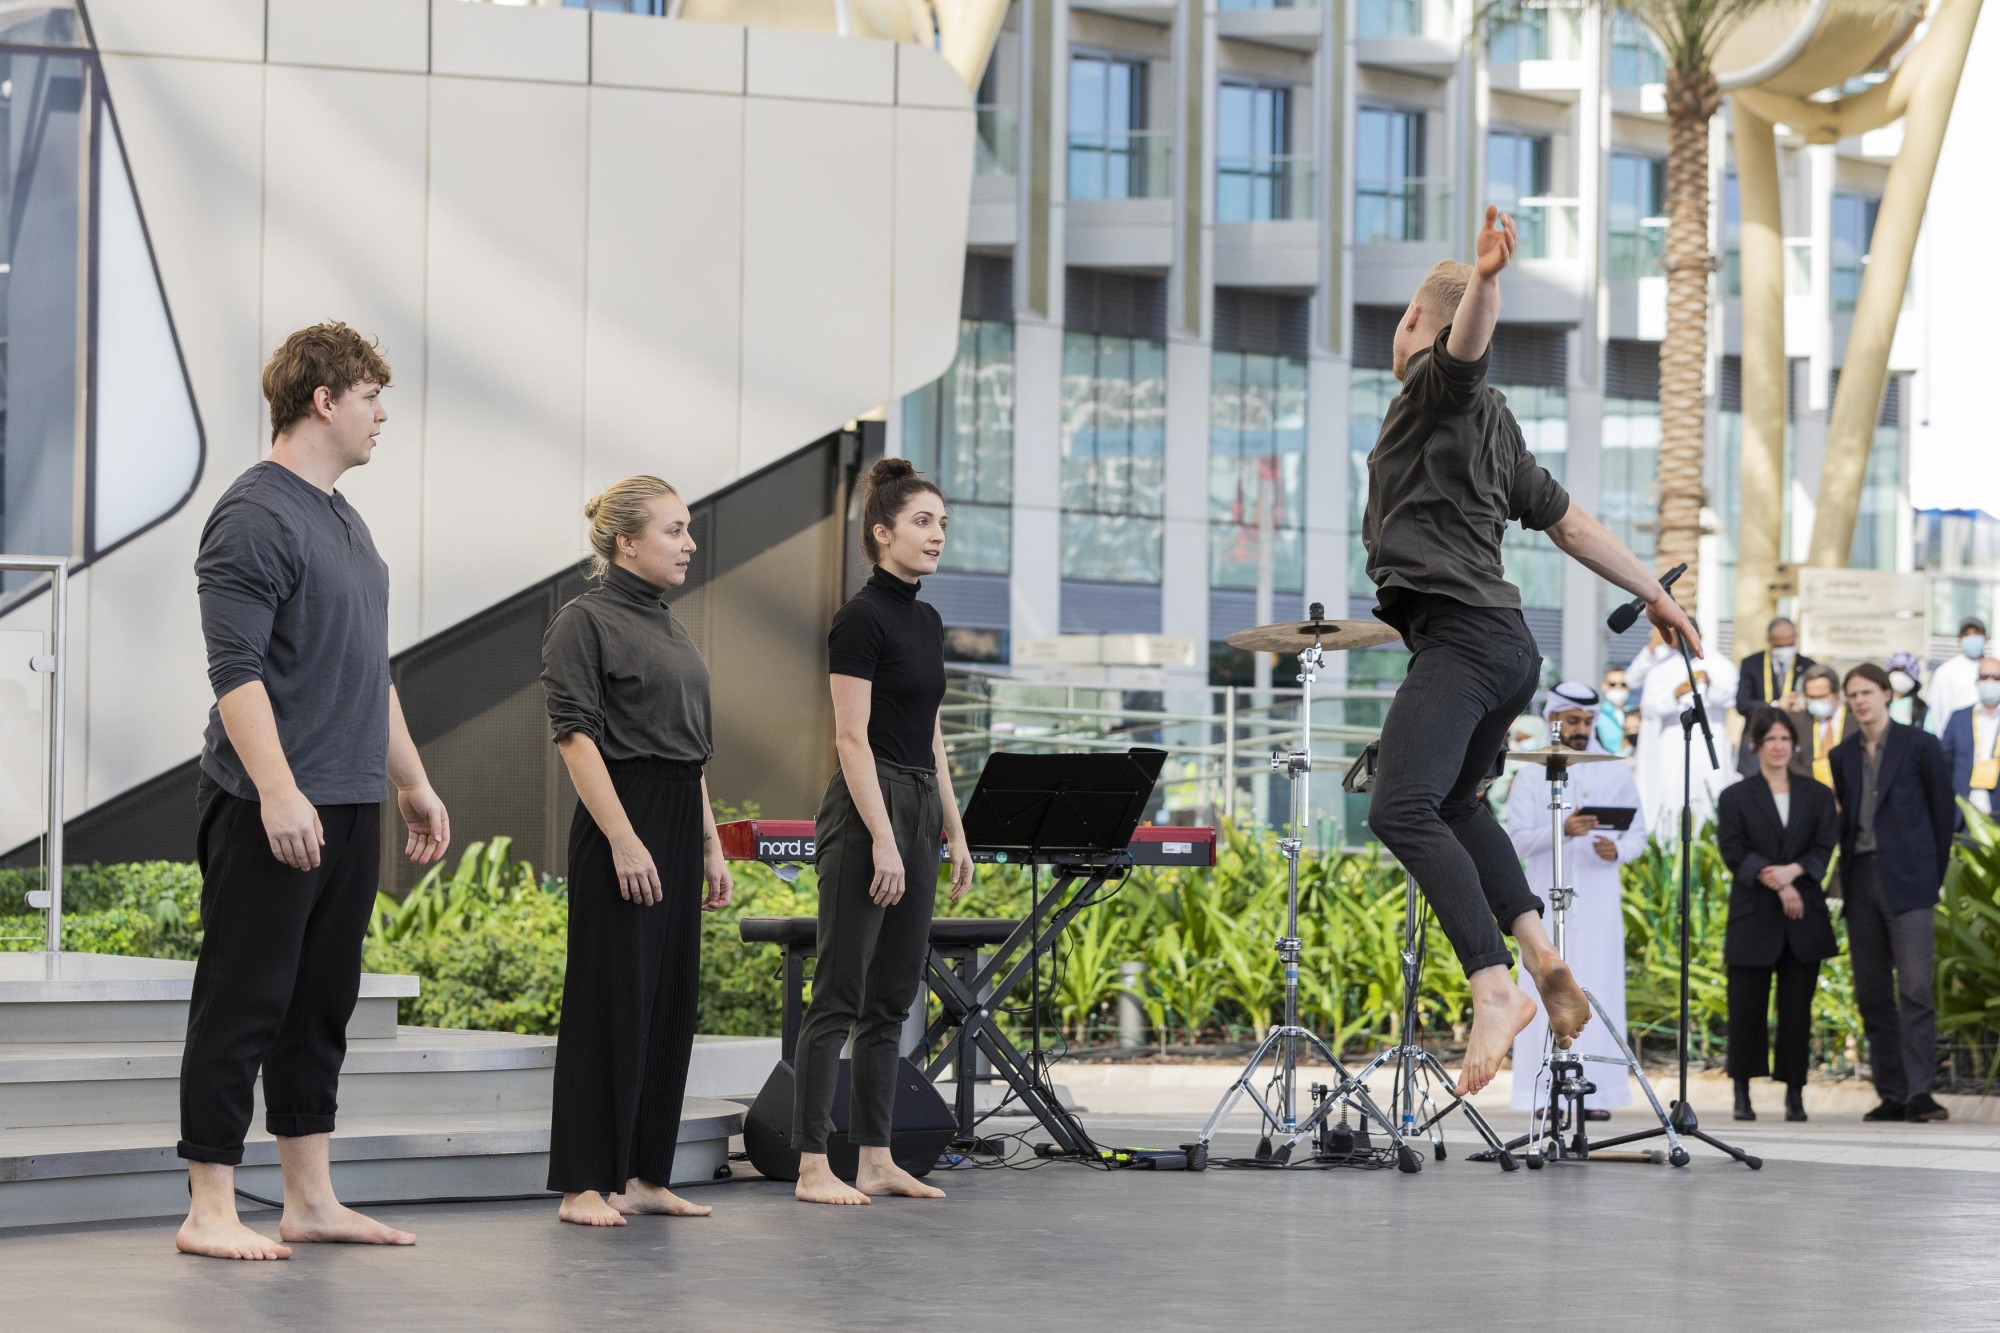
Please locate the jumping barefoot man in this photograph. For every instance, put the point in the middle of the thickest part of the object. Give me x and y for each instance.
(295, 612)
(1449, 472)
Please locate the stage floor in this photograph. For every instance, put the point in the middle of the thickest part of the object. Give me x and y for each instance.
(1801, 1244)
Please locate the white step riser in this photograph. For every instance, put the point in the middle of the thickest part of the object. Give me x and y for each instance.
(135, 1100)
(147, 1020)
(163, 1194)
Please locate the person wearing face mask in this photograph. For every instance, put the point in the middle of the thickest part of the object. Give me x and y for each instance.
(1656, 651)
(1955, 683)
(1823, 722)
(1660, 749)
(1611, 710)
(1972, 743)
(1595, 944)
(1907, 704)
(1769, 677)
(1528, 732)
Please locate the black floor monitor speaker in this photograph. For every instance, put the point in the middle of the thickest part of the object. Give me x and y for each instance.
(923, 1125)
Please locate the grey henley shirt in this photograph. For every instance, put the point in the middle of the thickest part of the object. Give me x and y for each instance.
(293, 594)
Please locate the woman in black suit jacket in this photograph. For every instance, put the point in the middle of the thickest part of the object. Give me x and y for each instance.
(1777, 831)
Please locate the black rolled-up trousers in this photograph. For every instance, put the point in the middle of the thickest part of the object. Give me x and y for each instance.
(278, 973)
(1749, 1014)
(871, 958)
(630, 990)
(1472, 670)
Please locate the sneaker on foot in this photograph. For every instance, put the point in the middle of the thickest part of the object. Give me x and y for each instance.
(1888, 1110)
(1923, 1106)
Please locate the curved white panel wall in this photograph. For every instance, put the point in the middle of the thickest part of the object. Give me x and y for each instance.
(611, 245)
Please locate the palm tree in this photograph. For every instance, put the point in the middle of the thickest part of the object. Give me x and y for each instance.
(1689, 32)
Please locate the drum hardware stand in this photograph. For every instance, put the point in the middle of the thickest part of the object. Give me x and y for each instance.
(1563, 1068)
(1284, 1131)
(1682, 1122)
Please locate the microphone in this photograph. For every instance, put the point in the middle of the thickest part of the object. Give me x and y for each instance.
(1621, 619)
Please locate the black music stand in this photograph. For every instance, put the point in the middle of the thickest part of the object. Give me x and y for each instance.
(1075, 812)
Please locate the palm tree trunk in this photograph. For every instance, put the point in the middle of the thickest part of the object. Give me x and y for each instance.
(1692, 99)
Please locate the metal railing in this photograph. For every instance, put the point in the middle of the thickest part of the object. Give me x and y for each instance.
(1265, 189)
(1549, 227)
(1410, 209)
(1122, 164)
(54, 665)
(1219, 742)
(1635, 252)
(1544, 32)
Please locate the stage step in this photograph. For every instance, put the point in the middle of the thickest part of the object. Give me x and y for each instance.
(83, 997)
(417, 1071)
(87, 1173)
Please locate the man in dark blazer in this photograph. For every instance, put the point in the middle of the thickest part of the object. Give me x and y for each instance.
(1971, 740)
(1896, 822)
(1773, 676)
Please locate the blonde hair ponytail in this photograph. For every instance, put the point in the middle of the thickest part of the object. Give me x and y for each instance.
(619, 510)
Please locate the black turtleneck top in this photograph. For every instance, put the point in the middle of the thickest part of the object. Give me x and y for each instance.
(618, 667)
(886, 636)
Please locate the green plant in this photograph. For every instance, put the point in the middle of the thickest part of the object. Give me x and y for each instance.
(1968, 937)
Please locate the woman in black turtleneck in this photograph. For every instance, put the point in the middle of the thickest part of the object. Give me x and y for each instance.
(877, 838)
(628, 703)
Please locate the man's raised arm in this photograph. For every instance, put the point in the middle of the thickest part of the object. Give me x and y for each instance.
(1479, 310)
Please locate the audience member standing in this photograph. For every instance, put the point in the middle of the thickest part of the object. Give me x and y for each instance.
(1655, 652)
(1954, 685)
(1611, 709)
(1972, 742)
(1660, 749)
(1769, 677)
(1896, 819)
(1906, 675)
(1826, 722)
(1776, 830)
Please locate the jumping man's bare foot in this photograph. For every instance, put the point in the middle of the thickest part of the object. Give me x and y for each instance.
(224, 1237)
(336, 1224)
(1563, 999)
(641, 1196)
(588, 1209)
(888, 1178)
(818, 1184)
(1499, 1012)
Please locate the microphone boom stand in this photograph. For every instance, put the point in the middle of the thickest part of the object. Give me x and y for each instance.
(1682, 1118)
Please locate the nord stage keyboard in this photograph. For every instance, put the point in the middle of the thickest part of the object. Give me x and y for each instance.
(790, 841)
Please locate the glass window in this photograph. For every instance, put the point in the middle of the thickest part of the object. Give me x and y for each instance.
(1253, 140)
(1635, 217)
(1256, 463)
(1517, 168)
(1631, 498)
(1732, 236)
(1113, 457)
(1107, 120)
(1853, 229)
(1636, 59)
(1389, 201)
(959, 429)
(1881, 487)
(99, 438)
(1533, 564)
(1390, 18)
(1518, 34)
(1368, 397)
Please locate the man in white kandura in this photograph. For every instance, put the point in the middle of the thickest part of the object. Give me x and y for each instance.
(1660, 753)
(1594, 944)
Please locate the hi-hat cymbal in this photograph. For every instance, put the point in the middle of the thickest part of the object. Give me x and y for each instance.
(1296, 635)
(1548, 753)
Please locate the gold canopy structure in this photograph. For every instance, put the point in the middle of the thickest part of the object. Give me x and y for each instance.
(1778, 67)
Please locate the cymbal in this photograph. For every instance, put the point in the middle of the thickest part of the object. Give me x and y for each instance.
(1548, 753)
(1295, 635)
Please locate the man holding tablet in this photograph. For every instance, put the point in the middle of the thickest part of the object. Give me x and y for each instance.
(1603, 830)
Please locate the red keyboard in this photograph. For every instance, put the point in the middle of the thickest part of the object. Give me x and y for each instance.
(782, 841)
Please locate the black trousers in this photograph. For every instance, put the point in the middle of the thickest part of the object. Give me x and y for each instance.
(1749, 1012)
(1472, 671)
(279, 970)
(1892, 955)
(871, 958)
(631, 989)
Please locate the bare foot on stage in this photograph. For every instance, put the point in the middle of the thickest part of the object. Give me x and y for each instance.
(1567, 1006)
(893, 1179)
(337, 1224)
(589, 1209)
(226, 1238)
(1499, 1012)
(818, 1184)
(642, 1197)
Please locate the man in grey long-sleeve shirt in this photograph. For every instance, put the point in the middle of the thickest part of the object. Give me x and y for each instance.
(306, 725)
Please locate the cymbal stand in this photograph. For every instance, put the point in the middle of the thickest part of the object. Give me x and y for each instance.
(1278, 1102)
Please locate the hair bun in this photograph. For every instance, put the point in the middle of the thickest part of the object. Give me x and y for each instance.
(592, 505)
(889, 469)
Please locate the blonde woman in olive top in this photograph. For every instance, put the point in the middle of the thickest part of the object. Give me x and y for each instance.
(628, 703)
(877, 838)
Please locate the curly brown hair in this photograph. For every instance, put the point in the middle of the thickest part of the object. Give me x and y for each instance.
(329, 355)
